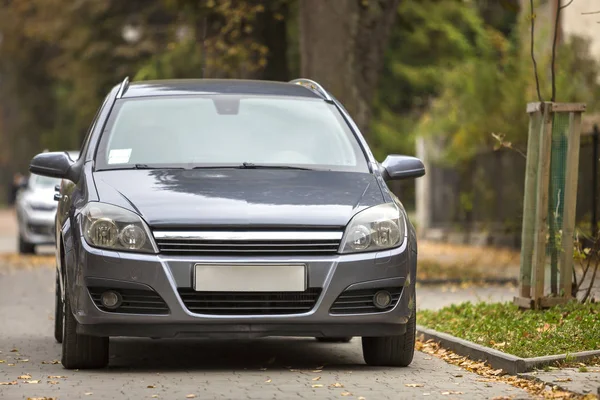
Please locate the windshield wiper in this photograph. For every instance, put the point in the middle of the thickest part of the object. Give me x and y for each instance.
(147, 166)
(248, 165)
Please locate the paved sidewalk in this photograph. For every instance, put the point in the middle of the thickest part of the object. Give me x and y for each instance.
(273, 368)
(583, 381)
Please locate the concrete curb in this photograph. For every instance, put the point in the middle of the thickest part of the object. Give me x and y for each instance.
(497, 359)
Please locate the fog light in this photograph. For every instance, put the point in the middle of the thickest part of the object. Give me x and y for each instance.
(110, 299)
(382, 299)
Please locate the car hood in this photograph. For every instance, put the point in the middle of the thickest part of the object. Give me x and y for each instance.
(239, 197)
(40, 198)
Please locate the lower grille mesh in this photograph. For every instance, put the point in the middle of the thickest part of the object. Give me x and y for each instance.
(361, 301)
(249, 303)
(134, 301)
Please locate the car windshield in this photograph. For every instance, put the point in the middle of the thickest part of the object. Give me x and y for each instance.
(228, 130)
(43, 182)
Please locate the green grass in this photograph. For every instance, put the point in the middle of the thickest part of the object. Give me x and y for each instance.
(525, 333)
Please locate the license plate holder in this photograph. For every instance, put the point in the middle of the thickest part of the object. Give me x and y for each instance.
(250, 277)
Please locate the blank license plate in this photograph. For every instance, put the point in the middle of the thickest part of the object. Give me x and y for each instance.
(250, 278)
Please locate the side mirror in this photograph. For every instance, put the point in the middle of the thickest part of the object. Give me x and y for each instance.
(396, 167)
(54, 165)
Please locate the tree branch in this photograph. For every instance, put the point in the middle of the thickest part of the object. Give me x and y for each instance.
(566, 5)
(537, 81)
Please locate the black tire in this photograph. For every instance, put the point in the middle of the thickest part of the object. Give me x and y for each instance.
(26, 247)
(392, 351)
(344, 339)
(81, 351)
(58, 312)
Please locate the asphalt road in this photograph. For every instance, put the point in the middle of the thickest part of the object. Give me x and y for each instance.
(271, 368)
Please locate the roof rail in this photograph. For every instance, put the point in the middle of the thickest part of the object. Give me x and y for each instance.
(123, 87)
(314, 86)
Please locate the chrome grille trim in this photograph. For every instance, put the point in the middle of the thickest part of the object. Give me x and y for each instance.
(250, 235)
(253, 243)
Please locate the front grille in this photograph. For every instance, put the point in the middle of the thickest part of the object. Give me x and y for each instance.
(135, 301)
(248, 243)
(43, 207)
(361, 301)
(249, 303)
(39, 229)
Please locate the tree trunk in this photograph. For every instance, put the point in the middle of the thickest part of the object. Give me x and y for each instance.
(342, 44)
(273, 34)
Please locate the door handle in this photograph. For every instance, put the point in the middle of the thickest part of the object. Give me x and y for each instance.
(57, 196)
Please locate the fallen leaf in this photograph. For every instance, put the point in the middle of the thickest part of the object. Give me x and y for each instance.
(53, 382)
(268, 381)
(14, 351)
(11, 365)
(2, 361)
(317, 370)
(563, 380)
(317, 386)
(24, 377)
(88, 393)
(346, 394)
(150, 387)
(51, 362)
(33, 381)
(337, 385)
(56, 376)
(154, 396)
(8, 383)
(451, 392)
(190, 396)
(41, 398)
(316, 378)
(544, 328)
(414, 385)
(361, 398)
(24, 360)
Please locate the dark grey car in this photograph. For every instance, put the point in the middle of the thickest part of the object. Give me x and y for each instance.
(230, 208)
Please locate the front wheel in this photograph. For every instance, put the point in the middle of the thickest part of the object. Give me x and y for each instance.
(25, 247)
(58, 312)
(392, 351)
(81, 351)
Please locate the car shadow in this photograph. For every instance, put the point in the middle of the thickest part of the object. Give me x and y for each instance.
(165, 355)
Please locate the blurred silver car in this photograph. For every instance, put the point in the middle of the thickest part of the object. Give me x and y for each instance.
(36, 211)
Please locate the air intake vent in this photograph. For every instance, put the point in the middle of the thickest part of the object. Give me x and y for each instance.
(361, 301)
(133, 301)
(249, 303)
(248, 242)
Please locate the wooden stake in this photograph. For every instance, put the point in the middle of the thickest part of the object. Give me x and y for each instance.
(541, 207)
(528, 228)
(570, 205)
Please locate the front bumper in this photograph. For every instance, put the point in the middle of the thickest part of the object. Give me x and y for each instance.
(37, 227)
(168, 275)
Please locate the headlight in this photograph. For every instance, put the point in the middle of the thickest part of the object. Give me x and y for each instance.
(111, 227)
(376, 228)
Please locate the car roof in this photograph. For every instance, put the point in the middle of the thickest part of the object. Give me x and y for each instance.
(216, 86)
